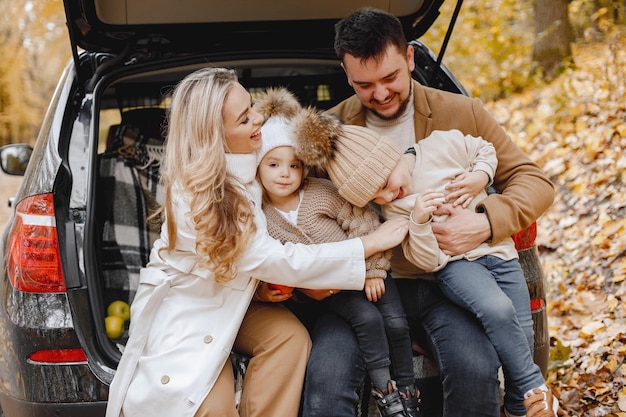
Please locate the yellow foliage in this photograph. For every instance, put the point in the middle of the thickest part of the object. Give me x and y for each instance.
(28, 32)
(581, 237)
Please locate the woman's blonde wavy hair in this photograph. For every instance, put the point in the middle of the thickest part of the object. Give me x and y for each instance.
(195, 158)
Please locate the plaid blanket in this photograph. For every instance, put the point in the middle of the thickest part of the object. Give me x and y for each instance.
(129, 190)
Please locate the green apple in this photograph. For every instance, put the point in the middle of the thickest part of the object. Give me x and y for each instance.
(119, 308)
(114, 326)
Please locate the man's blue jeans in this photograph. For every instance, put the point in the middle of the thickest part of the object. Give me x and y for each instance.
(495, 291)
(466, 358)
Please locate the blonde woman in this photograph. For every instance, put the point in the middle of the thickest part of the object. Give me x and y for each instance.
(194, 301)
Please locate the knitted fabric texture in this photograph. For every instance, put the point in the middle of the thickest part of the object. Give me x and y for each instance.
(324, 216)
(275, 132)
(358, 160)
(362, 163)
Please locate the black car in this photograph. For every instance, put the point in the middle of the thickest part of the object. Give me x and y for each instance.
(78, 234)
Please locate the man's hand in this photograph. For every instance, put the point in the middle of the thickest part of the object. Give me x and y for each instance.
(462, 231)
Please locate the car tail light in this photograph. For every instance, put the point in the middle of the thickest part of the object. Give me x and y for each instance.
(58, 356)
(34, 264)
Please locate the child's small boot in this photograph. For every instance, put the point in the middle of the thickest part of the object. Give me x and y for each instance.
(389, 401)
(411, 399)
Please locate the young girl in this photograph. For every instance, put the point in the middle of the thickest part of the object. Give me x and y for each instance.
(310, 210)
(193, 304)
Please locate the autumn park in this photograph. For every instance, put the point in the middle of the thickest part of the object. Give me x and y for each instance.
(564, 103)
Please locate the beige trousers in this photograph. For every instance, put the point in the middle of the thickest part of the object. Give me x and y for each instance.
(279, 347)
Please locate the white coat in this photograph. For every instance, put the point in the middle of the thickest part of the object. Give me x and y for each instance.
(183, 323)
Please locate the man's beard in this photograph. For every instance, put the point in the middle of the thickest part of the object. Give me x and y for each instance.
(399, 112)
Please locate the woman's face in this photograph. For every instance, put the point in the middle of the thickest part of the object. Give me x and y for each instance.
(242, 125)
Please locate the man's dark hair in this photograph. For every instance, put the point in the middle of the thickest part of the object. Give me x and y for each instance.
(366, 32)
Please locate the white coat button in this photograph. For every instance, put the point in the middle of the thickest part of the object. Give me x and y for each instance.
(165, 379)
(208, 339)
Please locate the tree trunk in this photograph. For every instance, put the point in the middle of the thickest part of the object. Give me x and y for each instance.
(552, 50)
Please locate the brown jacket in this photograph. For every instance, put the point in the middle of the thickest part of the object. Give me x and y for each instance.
(526, 191)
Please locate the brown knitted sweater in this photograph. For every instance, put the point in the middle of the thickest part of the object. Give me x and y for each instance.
(325, 216)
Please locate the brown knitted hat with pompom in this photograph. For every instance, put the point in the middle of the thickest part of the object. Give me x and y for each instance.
(357, 159)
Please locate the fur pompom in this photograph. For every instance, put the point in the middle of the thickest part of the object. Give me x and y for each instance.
(315, 134)
(277, 101)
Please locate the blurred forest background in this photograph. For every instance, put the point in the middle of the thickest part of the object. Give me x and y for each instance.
(553, 72)
(34, 46)
(497, 48)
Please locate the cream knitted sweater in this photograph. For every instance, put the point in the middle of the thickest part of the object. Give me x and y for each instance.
(325, 216)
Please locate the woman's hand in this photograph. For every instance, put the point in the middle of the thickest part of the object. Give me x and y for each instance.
(388, 235)
(268, 295)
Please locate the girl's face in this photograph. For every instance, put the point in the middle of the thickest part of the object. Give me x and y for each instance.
(280, 173)
(242, 125)
(399, 184)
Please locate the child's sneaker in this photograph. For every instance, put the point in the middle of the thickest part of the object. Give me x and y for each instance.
(540, 403)
(411, 399)
(389, 402)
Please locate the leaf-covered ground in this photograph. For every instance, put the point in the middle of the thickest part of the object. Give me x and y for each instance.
(575, 128)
